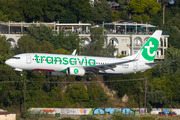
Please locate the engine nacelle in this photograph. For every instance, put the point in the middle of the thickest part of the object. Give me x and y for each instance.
(57, 73)
(17, 69)
(77, 71)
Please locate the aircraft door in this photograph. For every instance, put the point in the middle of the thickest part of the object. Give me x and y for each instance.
(28, 59)
(135, 66)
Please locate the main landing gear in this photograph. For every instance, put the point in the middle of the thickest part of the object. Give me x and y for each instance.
(88, 78)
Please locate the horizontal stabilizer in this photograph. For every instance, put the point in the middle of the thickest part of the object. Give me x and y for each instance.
(159, 62)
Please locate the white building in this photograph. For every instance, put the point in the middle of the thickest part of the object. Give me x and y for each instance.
(4, 115)
(127, 38)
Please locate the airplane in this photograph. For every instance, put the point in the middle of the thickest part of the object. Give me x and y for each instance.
(59, 64)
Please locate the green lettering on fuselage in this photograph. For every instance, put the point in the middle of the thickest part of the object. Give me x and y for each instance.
(65, 60)
(49, 60)
(71, 62)
(42, 58)
(80, 62)
(55, 58)
(93, 60)
(36, 58)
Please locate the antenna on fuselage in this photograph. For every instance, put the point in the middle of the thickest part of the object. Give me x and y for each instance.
(74, 53)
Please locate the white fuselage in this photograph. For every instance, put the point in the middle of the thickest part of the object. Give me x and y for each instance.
(59, 62)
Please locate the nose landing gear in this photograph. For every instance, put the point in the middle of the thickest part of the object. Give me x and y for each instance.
(21, 74)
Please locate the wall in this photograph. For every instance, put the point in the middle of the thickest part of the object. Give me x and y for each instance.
(8, 117)
(95, 111)
(86, 111)
(156, 111)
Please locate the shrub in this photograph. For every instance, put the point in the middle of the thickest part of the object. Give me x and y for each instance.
(147, 118)
(88, 117)
(117, 115)
(67, 118)
(35, 116)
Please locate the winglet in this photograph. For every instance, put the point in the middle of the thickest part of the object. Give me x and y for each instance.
(74, 52)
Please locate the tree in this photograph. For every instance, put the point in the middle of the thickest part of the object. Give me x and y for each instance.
(174, 21)
(62, 51)
(66, 17)
(164, 4)
(80, 8)
(96, 46)
(46, 47)
(28, 45)
(144, 9)
(77, 93)
(55, 9)
(68, 11)
(101, 12)
(124, 4)
(4, 45)
(33, 10)
(171, 67)
(124, 8)
(96, 93)
(115, 15)
(4, 17)
(156, 98)
(41, 33)
(174, 39)
(68, 42)
(12, 10)
(109, 50)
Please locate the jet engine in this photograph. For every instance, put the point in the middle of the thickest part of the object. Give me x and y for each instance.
(77, 71)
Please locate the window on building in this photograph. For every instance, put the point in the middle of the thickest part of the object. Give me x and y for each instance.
(136, 51)
(161, 42)
(124, 52)
(164, 42)
(157, 54)
(161, 51)
(124, 41)
(113, 42)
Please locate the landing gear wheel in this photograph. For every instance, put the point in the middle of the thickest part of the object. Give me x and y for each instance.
(21, 74)
(89, 78)
(78, 78)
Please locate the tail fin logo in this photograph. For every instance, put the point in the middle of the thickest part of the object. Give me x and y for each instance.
(150, 48)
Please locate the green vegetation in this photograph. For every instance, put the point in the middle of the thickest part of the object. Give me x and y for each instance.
(163, 80)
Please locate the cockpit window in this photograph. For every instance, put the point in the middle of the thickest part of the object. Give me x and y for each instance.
(16, 57)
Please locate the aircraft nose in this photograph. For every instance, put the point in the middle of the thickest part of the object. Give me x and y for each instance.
(8, 62)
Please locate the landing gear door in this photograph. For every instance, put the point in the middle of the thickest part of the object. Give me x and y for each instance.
(135, 66)
(28, 59)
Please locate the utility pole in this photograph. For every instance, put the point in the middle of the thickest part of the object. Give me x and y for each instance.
(145, 95)
(24, 95)
(114, 5)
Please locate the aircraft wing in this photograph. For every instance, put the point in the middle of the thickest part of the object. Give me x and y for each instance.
(103, 67)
